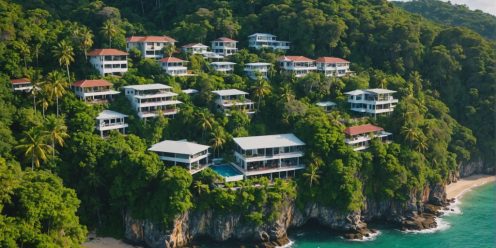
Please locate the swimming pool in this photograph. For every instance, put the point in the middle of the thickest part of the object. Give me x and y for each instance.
(228, 172)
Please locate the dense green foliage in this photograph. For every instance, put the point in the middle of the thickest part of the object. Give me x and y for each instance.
(445, 78)
(453, 14)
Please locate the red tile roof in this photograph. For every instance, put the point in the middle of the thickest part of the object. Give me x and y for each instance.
(20, 81)
(164, 38)
(332, 60)
(225, 39)
(172, 59)
(367, 128)
(91, 83)
(106, 51)
(295, 59)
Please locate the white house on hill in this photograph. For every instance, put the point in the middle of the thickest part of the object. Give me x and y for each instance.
(223, 66)
(264, 40)
(224, 46)
(297, 65)
(174, 66)
(359, 137)
(94, 91)
(194, 48)
(372, 101)
(233, 99)
(333, 67)
(109, 120)
(21, 84)
(254, 70)
(192, 156)
(109, 61)
(149, 100)
(150, 46)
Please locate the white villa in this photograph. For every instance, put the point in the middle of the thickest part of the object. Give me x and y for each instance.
(327, 105)
(359, 137)
(372, 101)
(94, 91)
(21, 84)
(150, 46)
(151, 99)
(253, 70)
(274, 156)
(298, 65)
(192, 156)
(333, 67)
(263, 40)
(224, 46)
(109, 120)
(195, 48)
(223, 66)
(212, 56)
(174, 66)
(109, 61)
(233, 99)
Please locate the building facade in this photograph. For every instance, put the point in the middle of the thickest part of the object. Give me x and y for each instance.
(300, 66)
(359, 137)
(273, 156)
(333, 67)
(192, 156)
(149, 46)
(223, 67)
(230, 99)
(195, 48)
(224, 46)
(109, 120)
(263, 40)
(21, 84)
(150, 100)
(372, 101)
(174, 66)
(109, 61)
(254, 70)
(94, 91)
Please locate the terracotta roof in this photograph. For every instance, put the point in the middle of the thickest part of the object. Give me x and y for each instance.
(20, 81)
(91, 83)
(172, 59)
(164, 38)
(106, 51)
(332, 60)
(367, 128)
(295, 59)
(225, 39)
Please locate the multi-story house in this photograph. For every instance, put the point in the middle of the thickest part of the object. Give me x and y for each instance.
(262, 40)
(192, 156)
(109, 120)
(359, 137)
(227, 100)
(94, 91)
(255, 70)
(150, 100)
(223, 66)
(333, 67)
(195, 48)
(174, 66)
(274, 156)
(224, 46)
(297, 65)
(109, 61)
(372, 101)
(150, 46)
(21, 84)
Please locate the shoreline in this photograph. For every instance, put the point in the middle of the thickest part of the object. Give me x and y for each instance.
(458, 189)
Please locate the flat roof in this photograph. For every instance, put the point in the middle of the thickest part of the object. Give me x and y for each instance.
(148, 87)
(354, 92)
(178, 147)
(380, 91)
(268, 141)
(222, 63)
(229, 92)
(258, 63)
(190, 91)
(255, 34)
(109, 114)
(326, 104)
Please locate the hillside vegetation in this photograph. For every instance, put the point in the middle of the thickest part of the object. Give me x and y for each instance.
(445, 78)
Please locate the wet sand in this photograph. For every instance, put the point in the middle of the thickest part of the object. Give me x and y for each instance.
(457, 189)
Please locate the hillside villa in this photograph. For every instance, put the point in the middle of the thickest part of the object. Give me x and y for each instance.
(333, 67)
(297, 65)
(192, 156)
(224, 46)
(174, 66)
(327, 106)
(109, 120)
(195, 48)
(149, 100)
(149, 46)
(94, 91)
(372, 101)
(109, 61)
(230, 99)
(223, 66)
(359, 137)
(21, 84)
(264, 40)
(254, 70)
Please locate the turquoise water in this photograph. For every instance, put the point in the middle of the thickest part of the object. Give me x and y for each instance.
(474, 225)
(225, 170)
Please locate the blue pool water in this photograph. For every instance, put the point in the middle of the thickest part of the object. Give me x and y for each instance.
(226, 170)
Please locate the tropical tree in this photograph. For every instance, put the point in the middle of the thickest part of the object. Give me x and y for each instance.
(287, 93)
(200, 187)
(85, 37)
(261, 89)
(34, 146)
(206, 122)
(57, 86)
(44, 100)
(169, 50)
(109, 30)
(64, 52)
(57, 131)
(312, 173)
(36, 80)
(218, 139)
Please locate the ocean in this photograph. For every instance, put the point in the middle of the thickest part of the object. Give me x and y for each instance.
(472, 224)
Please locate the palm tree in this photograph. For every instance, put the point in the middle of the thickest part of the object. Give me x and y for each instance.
(57, 86)
(86, 40)
(312, 173)
(206, 122)
(168, 50)
(287, 93)
(64, 52)
(34, 146)
(36, 80)
(261, 89)
(410, 134)
(200, 187)
(56, 130)
(218, 139)
(109, 30)
(44, 100)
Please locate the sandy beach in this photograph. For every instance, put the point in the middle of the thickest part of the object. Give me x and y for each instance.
(457, 189)
(105, 242)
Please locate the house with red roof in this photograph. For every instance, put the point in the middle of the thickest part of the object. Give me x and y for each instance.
(109, 61)
(333, 67)
(174, 66)
(224, 46)
(94, 91)
(359, 137)
(150, 46)
(21, 84)
(195, 48)
(300, 66)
